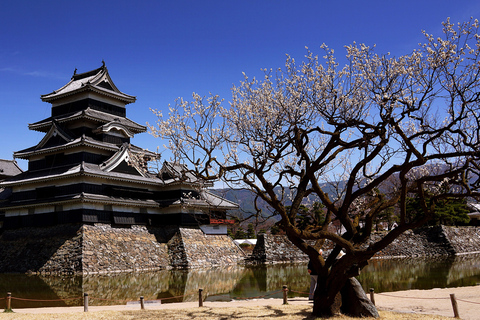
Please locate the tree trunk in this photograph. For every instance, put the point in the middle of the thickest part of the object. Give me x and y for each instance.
(326, 305)
(349, 299)
(355, 302)
(327, 300)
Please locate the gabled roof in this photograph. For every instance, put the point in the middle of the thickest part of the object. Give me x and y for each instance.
(91, 114)
(124, 157)
(114, 125)
(174, 171)
(97, 80)
(9, 168)
(54, 131)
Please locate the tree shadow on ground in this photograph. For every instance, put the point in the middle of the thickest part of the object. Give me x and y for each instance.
(243, 313)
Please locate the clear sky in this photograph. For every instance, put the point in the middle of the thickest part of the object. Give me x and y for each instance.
(161, 50)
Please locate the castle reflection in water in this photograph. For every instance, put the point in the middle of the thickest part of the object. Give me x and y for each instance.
(228, 283)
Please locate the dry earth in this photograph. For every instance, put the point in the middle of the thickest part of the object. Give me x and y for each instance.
(412, 304)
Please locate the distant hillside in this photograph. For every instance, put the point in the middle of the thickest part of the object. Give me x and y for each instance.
(246, 199)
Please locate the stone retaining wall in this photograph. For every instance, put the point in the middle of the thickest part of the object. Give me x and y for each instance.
(93, 249)
(423, 242)
(276, 249)
(41, 250)
(463, 239)
(433, 241)
(203, 250)
(107, 249)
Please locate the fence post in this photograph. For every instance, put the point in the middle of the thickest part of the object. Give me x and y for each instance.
(142, 305)
(200, 298)
(372, 295)
(9, 302)
(454, 305)
(85, 302)
(285, 291)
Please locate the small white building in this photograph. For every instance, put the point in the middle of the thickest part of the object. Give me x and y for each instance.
(475, 214)
(246, 241)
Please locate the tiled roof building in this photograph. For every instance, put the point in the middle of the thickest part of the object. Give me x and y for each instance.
(8, 169)
(85, 170)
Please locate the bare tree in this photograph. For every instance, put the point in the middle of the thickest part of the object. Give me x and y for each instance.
(379, 130)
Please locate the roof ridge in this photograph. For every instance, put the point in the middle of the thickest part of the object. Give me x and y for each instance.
(78, 76)
(89, 81)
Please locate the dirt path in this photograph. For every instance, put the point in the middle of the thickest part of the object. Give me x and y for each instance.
(435, 301)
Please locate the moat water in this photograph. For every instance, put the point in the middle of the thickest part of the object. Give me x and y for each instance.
(229, 283)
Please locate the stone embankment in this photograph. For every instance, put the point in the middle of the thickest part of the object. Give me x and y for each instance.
(30, 249)
(93, 249)
(425, 242)
(433, 241)
(275, 249)
(191, 248)
(463, 239)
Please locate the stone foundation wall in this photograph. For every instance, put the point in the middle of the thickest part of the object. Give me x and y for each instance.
(107, 249)
(434, 241)
(276, 249)
(66, 259)
(463, 239)
(93, 249)
(425, 242)
(201, 250)
(41, 250)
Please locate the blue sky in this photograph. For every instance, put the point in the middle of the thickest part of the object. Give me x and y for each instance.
(161, 50)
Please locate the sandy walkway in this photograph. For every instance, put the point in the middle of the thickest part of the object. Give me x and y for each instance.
(436, 301)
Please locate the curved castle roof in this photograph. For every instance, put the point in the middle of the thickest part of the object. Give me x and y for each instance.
(89, 113)
(97, 80)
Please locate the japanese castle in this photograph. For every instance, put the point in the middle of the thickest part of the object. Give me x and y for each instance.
(85, 170)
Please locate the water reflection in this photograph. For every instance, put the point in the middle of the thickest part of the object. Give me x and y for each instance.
(231, 282)
(269, 280)
(385, 275)
(167, 285)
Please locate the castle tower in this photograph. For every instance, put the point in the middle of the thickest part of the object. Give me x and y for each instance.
(88, 202)
(85, 170)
